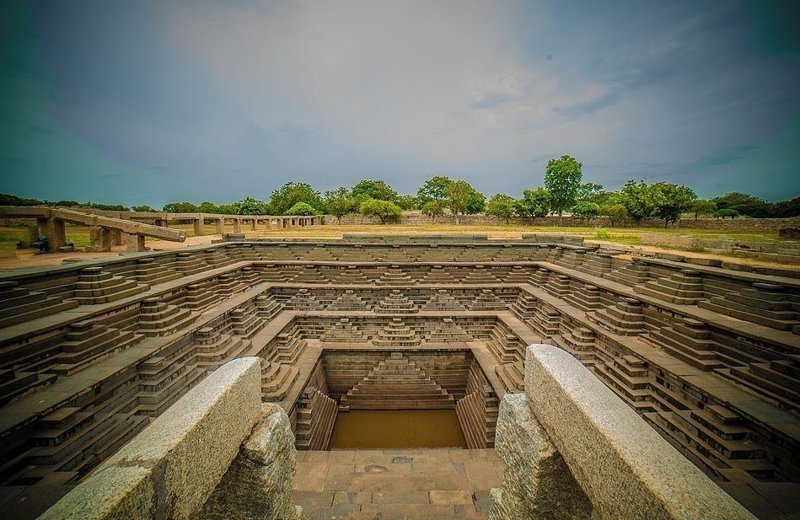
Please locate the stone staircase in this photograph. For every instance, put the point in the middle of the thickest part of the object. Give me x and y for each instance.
(397, 384)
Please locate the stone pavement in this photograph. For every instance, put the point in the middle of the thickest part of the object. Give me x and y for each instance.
(396, 483)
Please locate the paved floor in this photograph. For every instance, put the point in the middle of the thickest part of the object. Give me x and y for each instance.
(396, 484)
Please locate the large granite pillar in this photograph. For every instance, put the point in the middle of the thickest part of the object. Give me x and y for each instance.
(199, 226)
(53, 229)
(220, 222)
(237, 225)
(253, 223)
(135, 243)
(116, 237)
(100, 239)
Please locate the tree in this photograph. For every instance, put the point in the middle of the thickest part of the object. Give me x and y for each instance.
(463, 199)
(433, 189)
(501, 206)
(590, 192)
(208, 207)
(407, 202)
(433, 209)
(671, 200)
(180, 207)
(562, 178)
(703, 207)
(250, 206)
(787, 208)
(301, 208)
(382, 209)
(374, 189)
(339, 202)
(533, 204)
(290, 194)
(745, 204)
(143, 208)
(586, 210)
(616, 211)
(637, 197)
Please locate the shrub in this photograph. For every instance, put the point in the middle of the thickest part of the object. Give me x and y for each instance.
(383, 209)
(302, 209)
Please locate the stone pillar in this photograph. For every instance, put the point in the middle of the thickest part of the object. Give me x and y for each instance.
(536, 482)
(116, 237)
(100, 239)
(220, 225)
(53, 229)
(199, 226)
(253, 224)
(161, 223)
(237, 225)
(135, 243)
(269, 223)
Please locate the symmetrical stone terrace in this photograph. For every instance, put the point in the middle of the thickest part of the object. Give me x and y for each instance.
(91, 352)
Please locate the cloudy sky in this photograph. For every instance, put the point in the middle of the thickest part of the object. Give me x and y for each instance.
(150, 101)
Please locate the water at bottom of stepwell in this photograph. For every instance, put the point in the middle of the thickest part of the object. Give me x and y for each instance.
(371, 429)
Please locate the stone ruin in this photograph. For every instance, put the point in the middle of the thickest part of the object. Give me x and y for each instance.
(698, 358)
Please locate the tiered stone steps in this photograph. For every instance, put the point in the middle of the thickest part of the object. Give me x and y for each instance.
(624, 318)
(396, 303)
(303, 300)
(487, 300)
(152, 273)
(631, 273)
(778, 380)
(394, 276)
(396, 334)
(683, 288)
(160, 319)
(344, 331)
(95, 286)
(86, 342)
(477, 413)
(18, 304)
(628, 377)
(316, 415)
(276, 380)
(349, 301)
(442, 300)
(762, 303)
(688, 340)
(586, 298)
(397, 384)
(447, 331)
(580, 342)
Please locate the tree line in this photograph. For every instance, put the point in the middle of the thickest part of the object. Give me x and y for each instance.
(563, 191)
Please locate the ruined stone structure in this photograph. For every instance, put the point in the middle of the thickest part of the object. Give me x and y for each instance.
(91, 353)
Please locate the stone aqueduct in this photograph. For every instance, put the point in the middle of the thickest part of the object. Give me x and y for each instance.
(91, 353)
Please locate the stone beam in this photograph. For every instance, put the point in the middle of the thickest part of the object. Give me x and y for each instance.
(126, 226)
(626, 469)
(172, 467)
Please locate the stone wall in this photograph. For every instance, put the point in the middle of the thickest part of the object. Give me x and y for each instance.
(416, 218)
(172, 467)
(624, 468)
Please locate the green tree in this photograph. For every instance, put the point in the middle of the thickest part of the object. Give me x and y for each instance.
(787, 208)
(383, 209)
(722, 213)
(144, 208)
(671, 200)
(301, 208)
(250, 206)
(180, 207)
(703, 207)
(533, 204)
(586, 210)
(339, 202)
(562, 178)
(407, 202)
(590, 192)
(207, 207)
(290, 194)
(501, 206)
(745, 204)
(374, 189)
(463, 199)
(639, 200)
(433, 209)
(616, 211)
(433, 189)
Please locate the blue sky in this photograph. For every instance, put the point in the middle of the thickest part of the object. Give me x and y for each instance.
(150, 102)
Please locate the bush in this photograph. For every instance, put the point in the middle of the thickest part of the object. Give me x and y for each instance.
(601, 234)
(586, 210)
(383, 209)
(722, 213)
(302, 209)
(501, 206)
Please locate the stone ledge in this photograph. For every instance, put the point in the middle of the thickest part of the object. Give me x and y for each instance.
(625, 468)
(172, 467)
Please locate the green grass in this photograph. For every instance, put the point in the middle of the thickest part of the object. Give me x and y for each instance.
(9, 236)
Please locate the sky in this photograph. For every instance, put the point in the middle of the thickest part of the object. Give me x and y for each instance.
(148, 102)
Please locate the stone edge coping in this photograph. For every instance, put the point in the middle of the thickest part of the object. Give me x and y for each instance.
(624, 466)
(171, 467)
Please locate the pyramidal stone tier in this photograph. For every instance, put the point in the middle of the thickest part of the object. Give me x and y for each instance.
(442, 300)
(96, 286)
(624, 318)
(684, 288)
(396, 302)
(344, 332)
(349, 301)
(396, 334)
(18, 304)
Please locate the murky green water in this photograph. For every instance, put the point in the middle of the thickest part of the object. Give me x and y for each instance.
(397, 429)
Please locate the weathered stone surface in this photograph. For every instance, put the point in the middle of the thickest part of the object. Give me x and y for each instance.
(172, 467)
(258, 483)
(625, 468)
(536, 481)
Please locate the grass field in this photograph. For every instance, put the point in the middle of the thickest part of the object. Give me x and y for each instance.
(79, 235)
